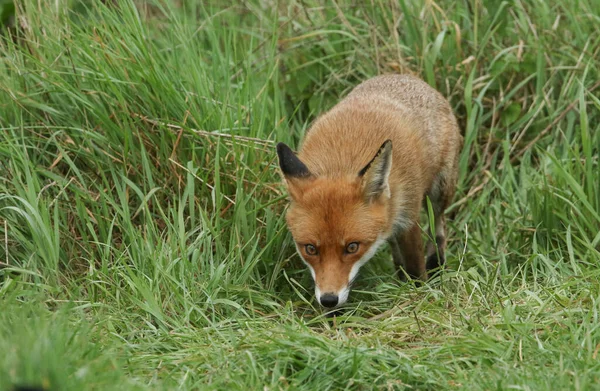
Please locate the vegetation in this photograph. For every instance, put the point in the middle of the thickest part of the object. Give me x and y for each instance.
(142, 237)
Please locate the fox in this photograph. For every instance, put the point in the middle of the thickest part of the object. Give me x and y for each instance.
(363, 171)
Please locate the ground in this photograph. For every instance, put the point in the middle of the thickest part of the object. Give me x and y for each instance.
(143, 244)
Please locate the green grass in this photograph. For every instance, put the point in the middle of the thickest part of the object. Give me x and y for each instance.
(142, 239)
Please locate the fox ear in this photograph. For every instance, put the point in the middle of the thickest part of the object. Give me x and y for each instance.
(294, 171)
(289, 163)
(375, 174)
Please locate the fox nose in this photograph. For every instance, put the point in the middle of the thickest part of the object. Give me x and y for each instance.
(329, 300)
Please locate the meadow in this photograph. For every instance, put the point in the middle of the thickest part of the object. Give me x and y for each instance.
(142, 238)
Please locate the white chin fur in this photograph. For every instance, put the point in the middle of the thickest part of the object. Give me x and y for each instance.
(343, 295)
(317, 293)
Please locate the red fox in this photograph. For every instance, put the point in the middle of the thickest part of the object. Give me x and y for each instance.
(364, 170)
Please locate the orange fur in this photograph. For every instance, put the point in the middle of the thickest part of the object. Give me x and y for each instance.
(343, 155)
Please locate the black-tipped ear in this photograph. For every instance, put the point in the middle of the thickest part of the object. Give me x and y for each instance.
(375, 174)
(290, 165)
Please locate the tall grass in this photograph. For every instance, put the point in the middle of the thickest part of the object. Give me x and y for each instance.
(143, 244)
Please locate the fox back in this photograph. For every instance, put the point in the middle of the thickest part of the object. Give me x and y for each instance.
(361, 176)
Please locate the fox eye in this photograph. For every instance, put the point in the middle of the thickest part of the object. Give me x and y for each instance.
(352, 248)
(310, 249)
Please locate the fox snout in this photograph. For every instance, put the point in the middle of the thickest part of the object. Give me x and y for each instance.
(327, 294)
(329, 300)
(332, 298)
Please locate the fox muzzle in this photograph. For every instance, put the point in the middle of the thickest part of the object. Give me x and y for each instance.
(329, 300)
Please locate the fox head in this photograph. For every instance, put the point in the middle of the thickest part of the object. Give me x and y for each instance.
(337, 223)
